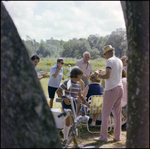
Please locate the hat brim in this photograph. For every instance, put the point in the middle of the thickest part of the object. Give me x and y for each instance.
(109, 50)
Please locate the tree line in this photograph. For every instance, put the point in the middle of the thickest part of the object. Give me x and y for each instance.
(74, 48)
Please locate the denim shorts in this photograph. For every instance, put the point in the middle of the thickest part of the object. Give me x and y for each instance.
(64, 106)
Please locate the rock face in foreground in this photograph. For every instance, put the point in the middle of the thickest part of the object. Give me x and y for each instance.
(26, 120)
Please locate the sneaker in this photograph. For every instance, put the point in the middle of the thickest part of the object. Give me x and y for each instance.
(115, 140)
(99, 139)
(92, 124)
(64, 143)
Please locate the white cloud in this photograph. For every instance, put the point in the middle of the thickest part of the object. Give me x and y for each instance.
(65, 19)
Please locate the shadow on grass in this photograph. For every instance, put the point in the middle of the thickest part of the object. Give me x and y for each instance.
(86, 139)
(98, 144)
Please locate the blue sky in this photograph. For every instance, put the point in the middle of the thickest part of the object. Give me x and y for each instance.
(65, 19)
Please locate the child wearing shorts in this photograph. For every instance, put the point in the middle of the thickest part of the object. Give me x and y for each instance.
(75, 92)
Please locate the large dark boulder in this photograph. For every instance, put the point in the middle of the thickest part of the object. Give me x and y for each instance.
(26, 119)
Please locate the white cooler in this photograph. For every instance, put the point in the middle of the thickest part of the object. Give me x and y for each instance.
(58, 121)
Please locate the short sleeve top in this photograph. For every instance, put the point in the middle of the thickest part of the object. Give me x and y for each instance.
(73, 90)
(115, 79)
(55, 82)
(94, 89)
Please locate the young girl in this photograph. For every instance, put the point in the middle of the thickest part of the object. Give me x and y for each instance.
(75, 91)
(94, 88)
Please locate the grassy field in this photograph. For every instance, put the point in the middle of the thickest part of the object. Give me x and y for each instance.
(44, 84)
(45, 65)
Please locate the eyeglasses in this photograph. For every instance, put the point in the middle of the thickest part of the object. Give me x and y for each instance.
(62, 63)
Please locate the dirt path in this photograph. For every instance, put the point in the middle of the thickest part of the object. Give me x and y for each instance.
(86, 139)
(99, 144)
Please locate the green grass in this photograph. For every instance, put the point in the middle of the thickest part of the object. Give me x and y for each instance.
(45, 64)
(44, 84)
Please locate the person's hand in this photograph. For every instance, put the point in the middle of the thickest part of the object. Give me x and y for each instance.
(63, 78)
(66, 101)
(99, 71)
(87, 77)
(87, 104)
(103, 71)
(96, 73)
(60, 66)
(44, 75)
(83, 76)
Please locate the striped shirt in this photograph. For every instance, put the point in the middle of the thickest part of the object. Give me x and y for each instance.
(73, 90)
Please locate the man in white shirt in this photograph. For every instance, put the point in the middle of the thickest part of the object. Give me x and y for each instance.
(113, 93)
(86, 67)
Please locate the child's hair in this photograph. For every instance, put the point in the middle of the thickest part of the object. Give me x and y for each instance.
(75, 71)
(124, 73)
(94, 78)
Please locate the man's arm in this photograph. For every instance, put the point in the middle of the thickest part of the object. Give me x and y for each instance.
(82, 84)
(55, 75)
(85, 91)
(104, 76)
(59, 93)
(42, 76)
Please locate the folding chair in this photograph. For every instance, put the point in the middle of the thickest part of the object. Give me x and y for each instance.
(111, 118)
(123, 115)
(96, 102)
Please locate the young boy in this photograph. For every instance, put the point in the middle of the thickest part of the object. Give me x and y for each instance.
(74, 91)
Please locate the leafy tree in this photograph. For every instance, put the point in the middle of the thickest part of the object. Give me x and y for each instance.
(93, 40)
(94, 53)
(42, 49)
(82, 46)
(115, 39)
(101, 43)
(75, 48)
(67, 50)
(31, 45)
(55, 47)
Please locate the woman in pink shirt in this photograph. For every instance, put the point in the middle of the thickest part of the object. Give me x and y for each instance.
(124, 82)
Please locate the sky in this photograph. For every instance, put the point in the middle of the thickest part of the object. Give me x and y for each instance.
(65, 20)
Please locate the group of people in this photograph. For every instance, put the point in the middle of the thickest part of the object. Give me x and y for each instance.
(84, 83)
